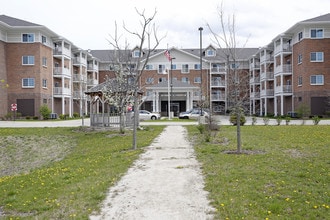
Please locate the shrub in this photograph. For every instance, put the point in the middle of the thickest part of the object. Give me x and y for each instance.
(254, 120)
(316, 120)
(45, 112)
(76, 115)
(278, 120)
(266, 121)
(233, 119)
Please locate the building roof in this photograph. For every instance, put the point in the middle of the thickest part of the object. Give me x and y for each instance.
(14, 22)
(321, 18)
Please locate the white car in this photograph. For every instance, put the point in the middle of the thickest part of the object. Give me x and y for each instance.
(146, 115)
(192, 114)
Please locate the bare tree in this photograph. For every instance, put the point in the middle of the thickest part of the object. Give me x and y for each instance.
(133, 69)
(236, 78)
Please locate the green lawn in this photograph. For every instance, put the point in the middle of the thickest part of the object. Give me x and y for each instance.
(62, 173)
(285, 176)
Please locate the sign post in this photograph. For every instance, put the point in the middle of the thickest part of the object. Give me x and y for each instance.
(14, 109)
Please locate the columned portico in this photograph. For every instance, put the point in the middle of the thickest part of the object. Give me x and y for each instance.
(181, 99)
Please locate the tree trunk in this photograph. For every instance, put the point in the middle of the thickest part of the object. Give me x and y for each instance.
(238, 132)
(136, 119)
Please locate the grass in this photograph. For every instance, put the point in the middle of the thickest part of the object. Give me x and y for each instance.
(287, 176)
(62, 173)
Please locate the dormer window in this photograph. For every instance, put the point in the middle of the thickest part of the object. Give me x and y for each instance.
(210, 52)
(136, 53)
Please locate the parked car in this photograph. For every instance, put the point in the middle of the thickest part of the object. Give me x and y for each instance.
(146, 115)
(193, 114)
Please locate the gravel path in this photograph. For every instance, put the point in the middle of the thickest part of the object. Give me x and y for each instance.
(164, 183)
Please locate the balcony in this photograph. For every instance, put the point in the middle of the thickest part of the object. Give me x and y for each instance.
(78, 95)
(221, 70)
(254, 95)
(218, 97)
(285, 69)
(267, 93)
(59, 72)
(285, 89)
(62, 51)
(283, 48)
(255, 80)
(59, 91)
(254, 65)
(266, 58)
(79, 61)
(266, 76)
(79, 78)
(91, 67)
(92, 82)
(218, 83)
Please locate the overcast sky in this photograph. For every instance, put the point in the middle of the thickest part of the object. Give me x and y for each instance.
(89, 24)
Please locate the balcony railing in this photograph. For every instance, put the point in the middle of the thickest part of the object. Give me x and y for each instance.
(218, 97)
(285, 68)
(254, 95)
(254, 80)
(92, 82)
(59, 71)
(283, 48)
(218, 70)
(79, 78)
(92, 67)
(283, 89)
(62, 91)
(79, 60)
(62, 51)
(266, 58)
(217, 83)
(267, 92)
(266, 76)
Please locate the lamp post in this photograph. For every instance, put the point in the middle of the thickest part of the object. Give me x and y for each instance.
(201, 75)
(171, 95)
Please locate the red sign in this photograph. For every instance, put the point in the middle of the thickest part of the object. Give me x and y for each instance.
(14, 107)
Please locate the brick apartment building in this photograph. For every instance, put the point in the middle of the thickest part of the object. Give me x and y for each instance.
(293, 70)
(42, 67)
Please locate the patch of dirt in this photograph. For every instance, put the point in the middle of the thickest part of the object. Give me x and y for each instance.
(247, 152)
(20, 154)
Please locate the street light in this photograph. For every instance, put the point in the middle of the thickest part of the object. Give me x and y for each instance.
(200, 56)
(171, 95)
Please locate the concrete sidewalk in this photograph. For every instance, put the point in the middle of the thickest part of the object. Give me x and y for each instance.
(164, 183)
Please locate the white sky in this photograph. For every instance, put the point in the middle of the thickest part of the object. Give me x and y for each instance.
(89, 24)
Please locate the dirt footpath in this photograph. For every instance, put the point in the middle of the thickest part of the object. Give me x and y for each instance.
(164, 183)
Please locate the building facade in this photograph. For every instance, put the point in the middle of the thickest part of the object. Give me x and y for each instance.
(293, 71)
(44, 68)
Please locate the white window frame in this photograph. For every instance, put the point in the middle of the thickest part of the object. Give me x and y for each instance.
(300, 58)
(317, 80)
(44, 83)
(28, 38)
(185, 68)
(300, 36)
(44, 61)
(300, 80)
(161, 68)
(210, 53)
(149, 80)
(136, 53)
(197, 79)
(29, 59)
(28, 83)
(319, 57)
(185, 79)
(149, 67)
(197, 66)
(319, 33)
(44, 39)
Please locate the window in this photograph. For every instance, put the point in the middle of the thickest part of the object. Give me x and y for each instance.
(44, 83)
(149, 67)
(173, 66)
(234, 65)
(149, 80)
(28, 60)
(317, 80)
(161, 68)
(197, 66)
(316, 33)
(44, 61)
(162, 79)
(28, 82)
(197, 79)
(210, 53)
(317, 57)
(43, 39)
(299, 80)
(299, 58)
(185, 79)
(185, 68)
(28, 38)
(300, 36)
(136, 53)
